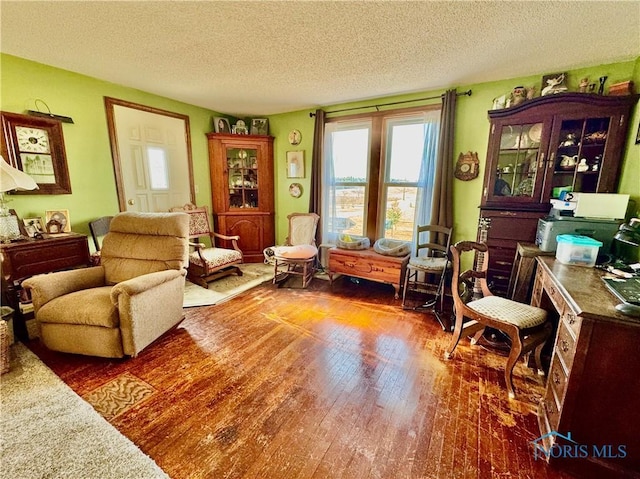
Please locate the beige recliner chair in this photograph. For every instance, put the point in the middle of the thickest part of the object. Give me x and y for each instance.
(132, 298)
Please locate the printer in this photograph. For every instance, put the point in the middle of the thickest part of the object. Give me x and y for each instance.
(597, 215)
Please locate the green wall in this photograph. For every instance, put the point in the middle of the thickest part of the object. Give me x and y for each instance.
(89, 154)
(87, 139)
(472, 134)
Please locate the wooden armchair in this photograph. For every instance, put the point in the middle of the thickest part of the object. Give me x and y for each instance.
(526, 326)
(206, 263)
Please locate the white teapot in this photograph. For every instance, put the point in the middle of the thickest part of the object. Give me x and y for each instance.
(568, 161)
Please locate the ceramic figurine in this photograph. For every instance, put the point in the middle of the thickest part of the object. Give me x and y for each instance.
(584, 84)
(601, 89)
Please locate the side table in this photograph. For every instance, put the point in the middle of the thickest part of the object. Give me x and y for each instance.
(23, 259)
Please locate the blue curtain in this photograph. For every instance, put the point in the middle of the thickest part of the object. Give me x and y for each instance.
(426, 180)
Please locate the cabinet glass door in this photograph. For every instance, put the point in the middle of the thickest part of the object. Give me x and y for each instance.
(242, 165)
(578, 155)
(518, 160)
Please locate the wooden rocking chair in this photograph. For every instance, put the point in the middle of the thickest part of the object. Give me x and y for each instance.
(207, 264)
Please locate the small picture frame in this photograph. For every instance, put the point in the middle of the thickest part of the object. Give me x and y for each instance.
(555, 83)
(57, 221)
(34, 227)
(221, 125)
(295, 164)
(259, 126)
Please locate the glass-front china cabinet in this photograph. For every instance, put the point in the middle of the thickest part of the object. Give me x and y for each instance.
(567, 142)
(241, 168)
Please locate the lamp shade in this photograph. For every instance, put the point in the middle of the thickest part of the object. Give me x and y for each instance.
(13, 179)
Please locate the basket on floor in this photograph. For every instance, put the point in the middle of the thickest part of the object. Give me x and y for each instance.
(5, 360)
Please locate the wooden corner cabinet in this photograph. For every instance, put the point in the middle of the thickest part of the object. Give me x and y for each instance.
(241, 168)
(562, 142)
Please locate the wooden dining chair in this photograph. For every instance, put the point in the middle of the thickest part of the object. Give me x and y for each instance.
(526, 326)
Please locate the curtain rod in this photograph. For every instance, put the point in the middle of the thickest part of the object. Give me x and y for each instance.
(466, 93)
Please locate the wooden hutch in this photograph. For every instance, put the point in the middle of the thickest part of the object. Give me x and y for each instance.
(242, 193)
(566, 141)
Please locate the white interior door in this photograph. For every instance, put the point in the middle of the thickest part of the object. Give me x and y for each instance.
(154, 159)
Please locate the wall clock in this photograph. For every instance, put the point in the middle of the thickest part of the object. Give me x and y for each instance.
(467, 166)
(35, 145)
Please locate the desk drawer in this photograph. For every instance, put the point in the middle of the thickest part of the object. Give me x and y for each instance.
(573, 321)
(552, 409)
(566, 345)
(555, 296)
(558, 378)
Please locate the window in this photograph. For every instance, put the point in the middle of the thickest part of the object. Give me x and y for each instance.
(378, 174)
(158, 169)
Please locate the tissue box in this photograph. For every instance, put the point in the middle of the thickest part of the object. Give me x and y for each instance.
(577, 250)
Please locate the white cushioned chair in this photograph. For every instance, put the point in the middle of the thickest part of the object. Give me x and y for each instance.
(526, 326)
(121, 306)
(208, 263)
(299, 255)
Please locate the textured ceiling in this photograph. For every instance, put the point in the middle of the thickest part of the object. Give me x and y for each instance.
(260, 58)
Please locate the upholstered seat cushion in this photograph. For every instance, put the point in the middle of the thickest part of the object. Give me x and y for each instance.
(518, 314)
(301, 251)
(216, 257)
(428, 263)
(91, 307)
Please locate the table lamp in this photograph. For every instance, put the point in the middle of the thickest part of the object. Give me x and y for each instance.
(11, 179)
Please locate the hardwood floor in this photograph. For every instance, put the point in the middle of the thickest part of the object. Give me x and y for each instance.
(320, 383)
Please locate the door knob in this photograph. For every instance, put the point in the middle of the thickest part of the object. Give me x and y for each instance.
(131, 202)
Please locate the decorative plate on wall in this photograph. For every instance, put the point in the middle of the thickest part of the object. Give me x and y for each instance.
(295, 137)
(295, 190)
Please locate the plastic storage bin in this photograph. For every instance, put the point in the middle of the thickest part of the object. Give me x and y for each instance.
(577, 250)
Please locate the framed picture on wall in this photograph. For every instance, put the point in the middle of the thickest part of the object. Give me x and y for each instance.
(295, 164)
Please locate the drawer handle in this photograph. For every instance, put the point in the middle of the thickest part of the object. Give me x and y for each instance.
(556, 377)
(564, 345)
(504, 263)
(350, 265)
(375, 268)
(508, 213)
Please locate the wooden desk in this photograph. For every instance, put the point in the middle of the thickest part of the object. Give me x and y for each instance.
(593, 386)
(23, 259)
(368, 264)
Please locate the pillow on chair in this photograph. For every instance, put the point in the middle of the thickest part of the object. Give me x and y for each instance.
(301, 251)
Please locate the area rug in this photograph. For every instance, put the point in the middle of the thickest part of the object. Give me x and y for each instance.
(119, 395)
(48, 431)
(226, 288)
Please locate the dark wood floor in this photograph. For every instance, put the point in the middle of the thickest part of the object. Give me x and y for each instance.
(320, 383)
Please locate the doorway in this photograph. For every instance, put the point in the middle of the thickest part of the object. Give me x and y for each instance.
(151, 151)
